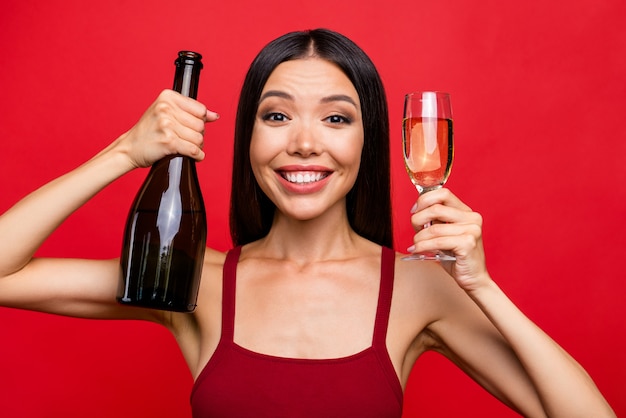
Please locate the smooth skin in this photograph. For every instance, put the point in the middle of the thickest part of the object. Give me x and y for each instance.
(309, 288)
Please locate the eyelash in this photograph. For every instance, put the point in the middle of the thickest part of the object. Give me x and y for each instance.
(333, 119)
(339, 119)
(272, 117)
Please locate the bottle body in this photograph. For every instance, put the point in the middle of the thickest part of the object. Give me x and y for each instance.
(165, 234)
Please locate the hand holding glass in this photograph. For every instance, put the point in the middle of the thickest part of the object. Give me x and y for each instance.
(428, 147)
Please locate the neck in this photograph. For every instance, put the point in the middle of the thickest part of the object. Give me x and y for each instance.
(328, 237)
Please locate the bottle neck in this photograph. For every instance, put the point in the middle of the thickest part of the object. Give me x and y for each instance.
(187, 75)
(186, 78)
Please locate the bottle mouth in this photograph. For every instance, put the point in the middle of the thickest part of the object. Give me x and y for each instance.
(190, 54)
(189, 58)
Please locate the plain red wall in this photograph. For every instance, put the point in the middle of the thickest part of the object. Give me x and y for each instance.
(538, 93)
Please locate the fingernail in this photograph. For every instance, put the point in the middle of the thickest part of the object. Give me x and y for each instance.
(410, 249)
(414, 208)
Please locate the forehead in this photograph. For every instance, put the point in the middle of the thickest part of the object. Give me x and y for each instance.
(310, 75)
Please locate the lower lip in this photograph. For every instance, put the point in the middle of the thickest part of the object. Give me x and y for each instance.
(303, 188)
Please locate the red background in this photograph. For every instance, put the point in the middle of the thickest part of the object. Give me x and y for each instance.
(538, 93)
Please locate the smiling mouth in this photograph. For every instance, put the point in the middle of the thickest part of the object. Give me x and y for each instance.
(304, 177)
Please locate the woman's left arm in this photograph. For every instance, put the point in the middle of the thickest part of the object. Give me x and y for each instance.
(561, 385)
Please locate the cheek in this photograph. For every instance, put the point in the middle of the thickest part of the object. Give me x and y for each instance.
(349, 153)
(259, 151)
(262, 153)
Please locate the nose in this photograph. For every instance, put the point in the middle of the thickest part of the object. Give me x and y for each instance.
(304, 142)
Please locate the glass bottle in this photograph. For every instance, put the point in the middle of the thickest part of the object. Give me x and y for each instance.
(165, 234)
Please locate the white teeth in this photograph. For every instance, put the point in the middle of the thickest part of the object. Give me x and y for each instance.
(301, 178)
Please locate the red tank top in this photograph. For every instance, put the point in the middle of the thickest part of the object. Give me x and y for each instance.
(237, 382)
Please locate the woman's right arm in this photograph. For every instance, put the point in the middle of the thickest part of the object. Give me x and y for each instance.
(173, 124)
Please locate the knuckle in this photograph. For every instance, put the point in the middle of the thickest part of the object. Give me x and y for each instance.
(167, 94)
(198, 126)
(469, 241)
(439, 242)
(419, 246)
(203, 109)
(415, 221)
(436, 229)
(445, 192)
(436, 210)
(167, 134)
(198, 138)
(163, 95)
(162, 108)
(165, 125)
(476, 231)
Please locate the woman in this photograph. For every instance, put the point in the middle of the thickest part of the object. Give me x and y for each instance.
(311, 314)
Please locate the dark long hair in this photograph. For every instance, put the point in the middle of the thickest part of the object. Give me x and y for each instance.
(368, 203)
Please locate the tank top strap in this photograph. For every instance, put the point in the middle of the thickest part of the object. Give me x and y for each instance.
(229, 283)
(387, 267)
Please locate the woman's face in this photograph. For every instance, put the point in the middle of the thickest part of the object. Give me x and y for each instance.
(307, 138)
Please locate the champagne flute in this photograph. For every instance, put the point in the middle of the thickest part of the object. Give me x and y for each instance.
(428, 148)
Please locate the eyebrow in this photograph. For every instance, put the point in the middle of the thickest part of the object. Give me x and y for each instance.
(339, 98)
(276, 93)
(327, 99)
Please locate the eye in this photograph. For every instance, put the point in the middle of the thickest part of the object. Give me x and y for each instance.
(338, 119)
(275, 117)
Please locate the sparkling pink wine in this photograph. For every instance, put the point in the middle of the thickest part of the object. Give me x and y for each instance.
(428, 150)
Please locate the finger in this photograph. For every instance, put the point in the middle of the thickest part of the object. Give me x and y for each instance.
(191, 106)
(432, 214)
(436, 231)
(172, 101)
(176, 138)
(440, 213)
(191, 127)
(187, 104)
(211, 116)
(460, 241)
(441, 196)
(190, 142)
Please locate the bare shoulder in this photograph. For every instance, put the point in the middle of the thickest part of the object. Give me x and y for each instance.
(213, 257)
(423, 288)
(424, 294)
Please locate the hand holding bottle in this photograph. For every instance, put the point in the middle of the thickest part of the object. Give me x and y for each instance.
(173, 124)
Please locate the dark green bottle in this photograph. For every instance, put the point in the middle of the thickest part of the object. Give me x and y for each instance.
(165, 235)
